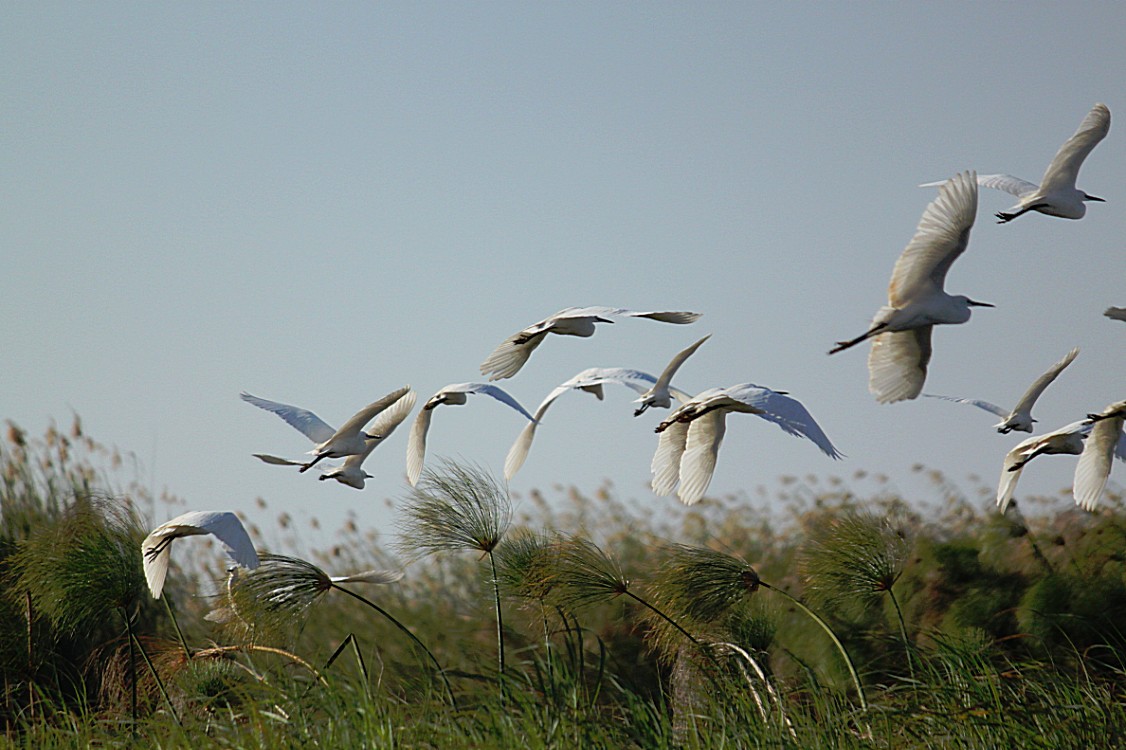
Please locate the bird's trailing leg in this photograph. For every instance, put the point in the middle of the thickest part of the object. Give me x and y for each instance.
(1020, 464)
(1004, 217)
(159, 547)
(842, 345)
(640, 410)
(305, 467)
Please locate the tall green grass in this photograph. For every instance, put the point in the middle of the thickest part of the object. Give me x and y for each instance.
(848, 619)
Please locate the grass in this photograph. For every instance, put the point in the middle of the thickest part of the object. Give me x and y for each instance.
(718, 626)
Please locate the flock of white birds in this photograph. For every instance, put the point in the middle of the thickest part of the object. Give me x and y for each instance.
(691, 435)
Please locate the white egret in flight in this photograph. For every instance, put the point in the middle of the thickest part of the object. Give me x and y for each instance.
(661, 394)
(349, 440)
(590, 380)
(1056, 194)
(507, 359)
(692, 434)
(455, 394)
(223, 525)
(1106, 441)
(901, 330)
(1094, 444)
(351, 471)
(1020, 418)
(1066, 440)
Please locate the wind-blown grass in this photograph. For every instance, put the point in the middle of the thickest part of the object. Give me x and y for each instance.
(1007, 649)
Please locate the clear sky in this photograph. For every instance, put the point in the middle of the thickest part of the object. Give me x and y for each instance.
(319, 203)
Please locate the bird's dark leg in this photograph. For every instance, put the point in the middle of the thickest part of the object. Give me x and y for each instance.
(1020, 464)
(1004, 218)
(641, 410)
(842, 345)
(305, 467)
(160, 546)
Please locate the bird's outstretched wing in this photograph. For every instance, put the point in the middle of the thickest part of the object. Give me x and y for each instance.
(365, 415)
(277, 460)
(897, 364)
(1006, 182)
(416, 445)
(223, 525)
(666, 376)
(991, 408)
(305, 421)
(1115, 313)
(666, 460)
(679, 317)
(500, 395)
(697, 464)
(1093, 469)
(385, 423)
(507, 359)
(590, 380)
(1042, 382)
(786, 412)
(1007, 484)
(1064, 169)
(941, 236)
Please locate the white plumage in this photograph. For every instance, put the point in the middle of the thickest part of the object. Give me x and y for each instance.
(590, 380)
(901, 330)
(1056, 195)
(691, 436)
(223, 525)
(349, 440)
(454, 394)
(1020, 417)
(662, 392)
(1104, 443)
(507, 359)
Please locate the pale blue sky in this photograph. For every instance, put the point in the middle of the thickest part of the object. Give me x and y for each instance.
(319, 203)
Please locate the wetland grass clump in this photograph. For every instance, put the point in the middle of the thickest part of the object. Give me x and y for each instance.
(1007, 647)
(455, 509)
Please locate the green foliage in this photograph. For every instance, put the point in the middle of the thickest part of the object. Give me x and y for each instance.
(680, 628)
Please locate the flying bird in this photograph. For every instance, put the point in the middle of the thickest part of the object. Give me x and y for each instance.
(351, 471)
(901, 330)
(455, 394)
(1106, 441)
(590, 380)
(1056, 194)
(1020, 418)
(507, 359)
(692, 434)
(349, 440)
(661, 394)
(1066, 440)
(223, 525)
(1116, 313)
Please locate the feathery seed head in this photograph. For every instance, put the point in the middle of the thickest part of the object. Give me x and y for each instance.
(458, 507)
(853, 558)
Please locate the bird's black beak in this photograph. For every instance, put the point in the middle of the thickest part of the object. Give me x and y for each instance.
(1093, 198)
(975, 303)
